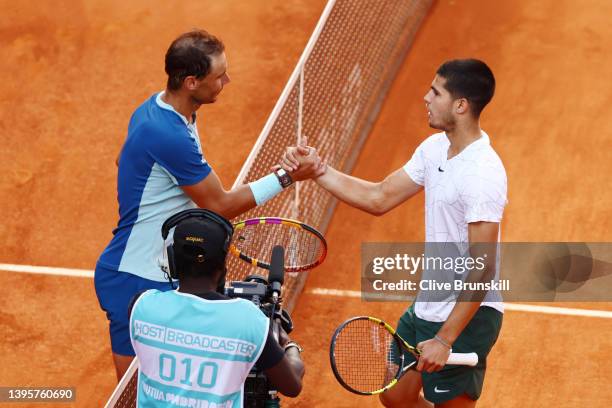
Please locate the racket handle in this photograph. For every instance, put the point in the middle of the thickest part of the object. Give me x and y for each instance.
(467, 359)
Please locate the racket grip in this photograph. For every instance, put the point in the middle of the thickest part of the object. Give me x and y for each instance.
(467, 359)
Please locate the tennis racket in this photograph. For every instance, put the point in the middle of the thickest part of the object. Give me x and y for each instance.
(367, 359)
(305, 247)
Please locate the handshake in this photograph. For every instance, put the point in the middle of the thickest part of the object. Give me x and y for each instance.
(302, 162)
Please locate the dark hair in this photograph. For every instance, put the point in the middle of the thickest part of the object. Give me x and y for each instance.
(189, 55)
(470, 79)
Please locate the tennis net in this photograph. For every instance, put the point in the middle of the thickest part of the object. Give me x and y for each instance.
(333, 97)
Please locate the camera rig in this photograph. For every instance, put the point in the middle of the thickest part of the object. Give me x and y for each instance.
(266, 295)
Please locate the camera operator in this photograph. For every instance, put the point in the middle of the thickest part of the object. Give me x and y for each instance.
(195, 345)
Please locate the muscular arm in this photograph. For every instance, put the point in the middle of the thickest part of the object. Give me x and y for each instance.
(287, 374)
(374, 198)
(209, 193)
(434, 353)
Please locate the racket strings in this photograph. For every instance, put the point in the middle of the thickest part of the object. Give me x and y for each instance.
(257, 241)
(366, 356)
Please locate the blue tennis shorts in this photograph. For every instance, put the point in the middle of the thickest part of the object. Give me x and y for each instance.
(115, 291)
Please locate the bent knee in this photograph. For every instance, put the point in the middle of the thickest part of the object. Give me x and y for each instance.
(404, 397)
(395, 400)
(386, 400)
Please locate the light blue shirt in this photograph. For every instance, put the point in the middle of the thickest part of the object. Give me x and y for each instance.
(194, 352)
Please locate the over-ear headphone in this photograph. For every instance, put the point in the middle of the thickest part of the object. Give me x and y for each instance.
(179, 217)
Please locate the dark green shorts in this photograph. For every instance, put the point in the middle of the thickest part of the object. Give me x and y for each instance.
(479, 336)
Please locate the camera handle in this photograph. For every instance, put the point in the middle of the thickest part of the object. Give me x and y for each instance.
(277, 278)
(278, 318)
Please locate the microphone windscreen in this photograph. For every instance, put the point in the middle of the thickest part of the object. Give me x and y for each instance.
(277, 265)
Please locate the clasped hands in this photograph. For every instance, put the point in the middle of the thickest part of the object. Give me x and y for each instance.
(302, 162)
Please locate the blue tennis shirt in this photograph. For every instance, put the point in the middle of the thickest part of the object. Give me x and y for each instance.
(162, 152)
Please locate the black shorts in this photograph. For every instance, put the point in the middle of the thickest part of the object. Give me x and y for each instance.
(451, 381)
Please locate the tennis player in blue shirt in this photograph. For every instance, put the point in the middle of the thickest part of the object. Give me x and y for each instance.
(162, 171)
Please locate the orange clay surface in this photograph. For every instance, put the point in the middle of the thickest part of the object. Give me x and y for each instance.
(72, 73)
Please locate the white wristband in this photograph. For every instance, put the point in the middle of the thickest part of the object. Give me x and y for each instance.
(265, 188)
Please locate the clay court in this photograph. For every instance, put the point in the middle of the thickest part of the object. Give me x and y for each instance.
(73, 72)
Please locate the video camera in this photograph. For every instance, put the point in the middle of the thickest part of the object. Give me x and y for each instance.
(266, 295)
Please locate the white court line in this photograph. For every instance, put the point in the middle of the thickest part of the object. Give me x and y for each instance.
(508, 306)
(518, 307)
(46, 270)
(86, 273)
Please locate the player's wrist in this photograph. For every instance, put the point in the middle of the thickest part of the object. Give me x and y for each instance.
(283, 177)
(324, 179)
(321, 170)
(265, 188)
(442, 341)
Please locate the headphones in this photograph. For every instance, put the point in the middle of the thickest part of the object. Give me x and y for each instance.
(179, 217)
